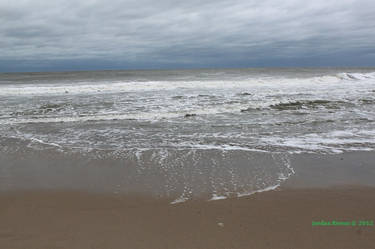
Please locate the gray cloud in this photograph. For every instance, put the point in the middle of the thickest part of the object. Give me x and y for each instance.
(167, 33)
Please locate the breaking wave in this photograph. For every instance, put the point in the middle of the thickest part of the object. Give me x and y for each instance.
(69, 88)
(229, 136)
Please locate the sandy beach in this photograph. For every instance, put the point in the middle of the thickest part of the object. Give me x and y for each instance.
(275, 219)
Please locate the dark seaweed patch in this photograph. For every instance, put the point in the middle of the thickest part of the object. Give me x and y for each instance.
(244, 94)
(367, 101)
(308, 104)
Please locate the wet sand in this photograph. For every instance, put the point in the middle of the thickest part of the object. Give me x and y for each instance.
(323, 171)
(274, 219)
(324, 187)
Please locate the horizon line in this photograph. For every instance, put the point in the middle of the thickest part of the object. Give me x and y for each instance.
(188, 69)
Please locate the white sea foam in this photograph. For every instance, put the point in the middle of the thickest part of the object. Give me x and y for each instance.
(336, 141)
(216, 197)
(69, 88)
(273, 187)
(127, 116)
(43, 142)
(356, 76)
(179, 200)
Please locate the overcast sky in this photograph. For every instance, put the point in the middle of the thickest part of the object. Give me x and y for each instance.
(45, 35)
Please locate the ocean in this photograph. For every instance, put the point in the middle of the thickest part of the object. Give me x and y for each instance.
(212, 133)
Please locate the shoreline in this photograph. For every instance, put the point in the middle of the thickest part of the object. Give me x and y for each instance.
(279, 218)
(55, 171)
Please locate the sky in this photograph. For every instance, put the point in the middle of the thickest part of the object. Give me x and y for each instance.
(55, 35)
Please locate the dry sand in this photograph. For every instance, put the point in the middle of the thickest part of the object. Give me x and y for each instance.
(275, 219)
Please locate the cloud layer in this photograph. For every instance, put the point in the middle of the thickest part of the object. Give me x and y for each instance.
(57, 34)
